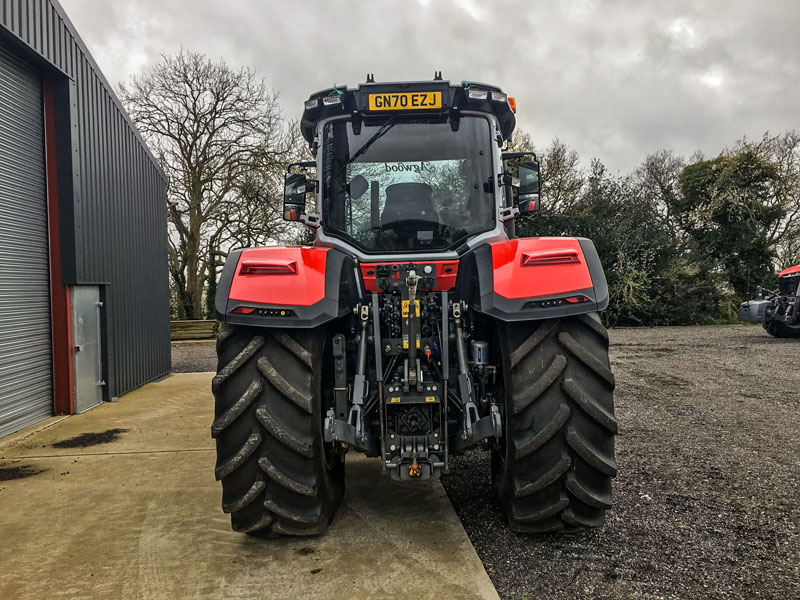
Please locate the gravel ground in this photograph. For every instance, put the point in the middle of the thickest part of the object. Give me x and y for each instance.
(708, 492)
(194, 356)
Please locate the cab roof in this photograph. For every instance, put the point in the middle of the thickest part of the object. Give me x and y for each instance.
(452, 99)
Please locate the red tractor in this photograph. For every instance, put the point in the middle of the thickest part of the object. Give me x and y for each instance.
(778, 310)
(417, 325)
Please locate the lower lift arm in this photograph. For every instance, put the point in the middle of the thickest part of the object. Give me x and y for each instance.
(474, 428)
(352, 431)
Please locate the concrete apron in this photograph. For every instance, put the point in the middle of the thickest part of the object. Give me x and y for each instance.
(138, 516)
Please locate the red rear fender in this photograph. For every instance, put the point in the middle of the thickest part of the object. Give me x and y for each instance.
(285, 286)
(533, 267)
(540, 278)
(284, 275)
(789, 271)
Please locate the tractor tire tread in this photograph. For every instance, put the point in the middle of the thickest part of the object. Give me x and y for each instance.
(281, 433)
(238, 459)
(249, 496)
(556, 467)
(293, 515)
(530, 344)
(781, 330)
(253, 346)
(590, 454)
(582, 521)
(580, 352)
(541, 385)
(587, 496)
(260, 524)
(283, 479)
(530, 441)
(291, 344)
(528, 515)
(301, 399)
(522, 489)
(229, 416)
(276, 476)
(589, 405)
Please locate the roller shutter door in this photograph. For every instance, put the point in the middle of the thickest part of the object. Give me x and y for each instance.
(26, 389)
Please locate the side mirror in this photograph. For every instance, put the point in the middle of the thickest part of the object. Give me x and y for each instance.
(528, 194)
(295, 189)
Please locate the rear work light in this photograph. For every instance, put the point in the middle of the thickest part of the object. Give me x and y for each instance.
(268, 267)
(476, 94)
(264, 312)
(543, 258)
(555, 302)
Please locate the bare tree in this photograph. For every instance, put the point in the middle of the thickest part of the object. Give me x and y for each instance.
(257, 218)
(562, 175)
(657, 179)
(783, 152)
(214, 130)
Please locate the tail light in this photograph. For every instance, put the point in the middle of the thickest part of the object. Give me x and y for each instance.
(541, 258)
(264, 312)
(557, 302)
(268, 267)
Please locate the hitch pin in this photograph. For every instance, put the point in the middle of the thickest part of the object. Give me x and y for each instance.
(414, 470)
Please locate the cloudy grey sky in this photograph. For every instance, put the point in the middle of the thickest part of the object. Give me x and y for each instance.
(615, 79)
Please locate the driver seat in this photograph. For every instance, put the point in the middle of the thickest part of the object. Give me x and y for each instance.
(408, 202)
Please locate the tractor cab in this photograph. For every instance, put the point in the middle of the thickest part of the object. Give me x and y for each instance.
(406, 168)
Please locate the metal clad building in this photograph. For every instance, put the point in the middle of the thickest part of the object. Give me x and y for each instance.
(84, 297)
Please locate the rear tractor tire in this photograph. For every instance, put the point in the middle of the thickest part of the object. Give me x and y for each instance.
(552, 469)
(278, 476)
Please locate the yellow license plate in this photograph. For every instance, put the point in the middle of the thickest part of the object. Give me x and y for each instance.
(405, 101)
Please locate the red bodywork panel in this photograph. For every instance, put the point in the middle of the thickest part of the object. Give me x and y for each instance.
(534, 267)
(446, 273)
(790, 271)
(281, 275)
